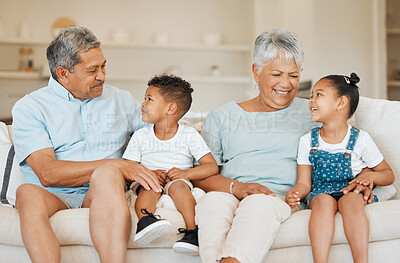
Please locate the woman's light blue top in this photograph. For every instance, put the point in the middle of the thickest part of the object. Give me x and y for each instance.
(258, 147)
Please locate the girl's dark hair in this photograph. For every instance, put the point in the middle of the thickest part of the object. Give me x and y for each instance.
(174, 89)
(346, 86)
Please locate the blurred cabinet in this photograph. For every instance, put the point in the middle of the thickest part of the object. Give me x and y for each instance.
(393, 50)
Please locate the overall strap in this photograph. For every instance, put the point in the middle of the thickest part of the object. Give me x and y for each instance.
(353, 138)
(314, 138)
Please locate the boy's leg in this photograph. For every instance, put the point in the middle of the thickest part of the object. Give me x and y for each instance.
(149, 226)
(321, 226)
(147, 199)
(184, 201)
(356, 225)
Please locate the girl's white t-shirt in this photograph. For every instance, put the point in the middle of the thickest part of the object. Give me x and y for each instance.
(179, 151)
(365, 154)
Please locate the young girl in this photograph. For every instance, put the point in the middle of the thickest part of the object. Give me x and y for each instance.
(332, 157)
(168, 149)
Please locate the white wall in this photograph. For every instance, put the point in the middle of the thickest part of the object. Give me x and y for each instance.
(185, 21)
(338, 36)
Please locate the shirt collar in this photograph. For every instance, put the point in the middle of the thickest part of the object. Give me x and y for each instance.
(61, 91)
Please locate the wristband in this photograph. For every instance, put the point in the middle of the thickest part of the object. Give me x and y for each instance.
(230, 188)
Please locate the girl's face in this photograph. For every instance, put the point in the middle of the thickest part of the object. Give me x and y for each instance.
(324, 102)
(154, 107)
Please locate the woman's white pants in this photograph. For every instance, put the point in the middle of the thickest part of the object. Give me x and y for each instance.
(243, 229)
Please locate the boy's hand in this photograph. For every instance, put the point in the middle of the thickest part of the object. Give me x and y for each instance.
(175, 173)
(365, 179)
(292, 198)
(161, 176)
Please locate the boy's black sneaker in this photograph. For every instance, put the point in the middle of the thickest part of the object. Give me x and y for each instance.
(189, 244)
(149, 228)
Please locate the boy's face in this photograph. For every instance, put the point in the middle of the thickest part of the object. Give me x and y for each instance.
(154, 107)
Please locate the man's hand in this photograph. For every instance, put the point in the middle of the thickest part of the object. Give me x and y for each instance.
(242, 190)
(365, 179)
(292, 198)
(175, 173)
(135, 172)
(357, 188)
(162, 176)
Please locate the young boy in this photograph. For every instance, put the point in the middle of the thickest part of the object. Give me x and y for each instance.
(169, 149)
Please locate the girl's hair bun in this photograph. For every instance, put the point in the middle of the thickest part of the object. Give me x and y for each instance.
(354, 79)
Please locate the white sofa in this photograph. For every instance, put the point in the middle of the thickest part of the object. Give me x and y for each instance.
(379, 117)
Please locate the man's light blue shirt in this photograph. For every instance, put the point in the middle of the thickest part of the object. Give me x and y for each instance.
(77, 130)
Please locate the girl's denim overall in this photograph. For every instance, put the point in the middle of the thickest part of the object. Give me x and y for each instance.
(331, 171)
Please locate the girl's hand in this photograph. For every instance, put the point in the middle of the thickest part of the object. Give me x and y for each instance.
(292, 198)
(175, 173)
(365, 179)
(161, 176)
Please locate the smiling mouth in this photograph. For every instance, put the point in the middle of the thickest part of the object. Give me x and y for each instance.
(282, 92)
(98, 85)
(314, 109)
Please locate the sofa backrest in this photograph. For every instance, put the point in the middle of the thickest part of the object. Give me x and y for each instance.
(381, 119)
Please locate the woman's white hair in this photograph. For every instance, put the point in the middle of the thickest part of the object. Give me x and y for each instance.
(276, 42)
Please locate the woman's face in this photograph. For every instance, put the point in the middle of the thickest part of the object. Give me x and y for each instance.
(278, 82)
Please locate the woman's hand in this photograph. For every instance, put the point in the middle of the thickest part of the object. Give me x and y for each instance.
(292, 198)
(365, 179)
(175, 173)
(242, 190)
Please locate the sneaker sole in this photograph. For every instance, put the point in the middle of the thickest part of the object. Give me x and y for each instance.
(152, 232)
(186, 248)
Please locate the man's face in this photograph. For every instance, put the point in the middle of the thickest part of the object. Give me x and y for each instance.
(87, 79)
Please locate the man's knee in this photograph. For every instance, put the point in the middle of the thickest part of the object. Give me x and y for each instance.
(26, 194)
(106, 175)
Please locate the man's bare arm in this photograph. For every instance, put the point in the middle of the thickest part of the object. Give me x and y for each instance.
(53, 172)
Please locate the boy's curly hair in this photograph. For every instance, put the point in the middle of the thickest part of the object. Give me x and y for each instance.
(174, 89)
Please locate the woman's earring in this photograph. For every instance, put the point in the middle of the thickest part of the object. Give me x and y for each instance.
(256, 86)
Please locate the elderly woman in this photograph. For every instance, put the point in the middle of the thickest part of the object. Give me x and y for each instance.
(255, 144)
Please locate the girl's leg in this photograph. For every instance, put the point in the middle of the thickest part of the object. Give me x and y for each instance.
(356, 225)
(321, 226)
(146, 199)
(184, 202)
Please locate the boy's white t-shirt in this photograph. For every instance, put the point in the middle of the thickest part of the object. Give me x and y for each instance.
(365, 154)
(179, 151)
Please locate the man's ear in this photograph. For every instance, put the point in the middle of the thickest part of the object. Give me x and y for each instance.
(62, 74)
(343, 101)
(172, 108)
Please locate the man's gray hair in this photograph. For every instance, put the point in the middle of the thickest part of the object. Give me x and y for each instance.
(64, 50)
(277, 42)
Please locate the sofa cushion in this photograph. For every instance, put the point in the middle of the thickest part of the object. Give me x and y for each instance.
(10, 174)
(71, 227)
(381, 119)
(384, 218)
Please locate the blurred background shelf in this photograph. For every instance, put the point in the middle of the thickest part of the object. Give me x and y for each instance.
(109, 44)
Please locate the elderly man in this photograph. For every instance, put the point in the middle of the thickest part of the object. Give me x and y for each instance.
(68, 139)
